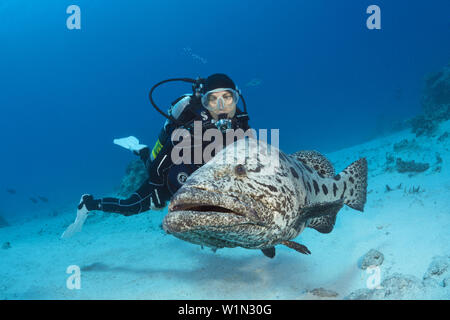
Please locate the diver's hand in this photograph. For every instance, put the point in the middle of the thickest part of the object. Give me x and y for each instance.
(158, 199)
(155, 208)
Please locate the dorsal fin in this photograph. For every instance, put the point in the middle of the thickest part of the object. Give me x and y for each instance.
(315, 160)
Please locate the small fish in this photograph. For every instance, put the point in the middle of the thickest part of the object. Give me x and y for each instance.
(43, 199)
(11, 191)
(33, 200)
(255, 82)
(259, 204)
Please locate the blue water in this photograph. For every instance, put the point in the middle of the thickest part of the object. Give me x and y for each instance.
(327, 81)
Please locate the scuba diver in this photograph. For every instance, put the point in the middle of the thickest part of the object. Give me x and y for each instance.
(214, 103)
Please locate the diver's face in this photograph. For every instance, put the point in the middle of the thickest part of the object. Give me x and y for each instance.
(221, 102)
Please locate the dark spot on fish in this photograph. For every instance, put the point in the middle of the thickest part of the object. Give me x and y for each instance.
(278, 180)
(309, 186)
(306, 199)
(324, 189)
(294, 173)
(337, 177)
(316, 167)
(351, 192)
(345, 188)
(351, 180)
(271, 188)
(335, 188)
(309, 169)
(283, 174)
(316, 187)
(240, 170)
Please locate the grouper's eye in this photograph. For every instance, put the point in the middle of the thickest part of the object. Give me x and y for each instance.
(240, 170)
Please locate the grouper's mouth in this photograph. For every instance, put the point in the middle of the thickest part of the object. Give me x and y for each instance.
(194, 208)
(198, 207)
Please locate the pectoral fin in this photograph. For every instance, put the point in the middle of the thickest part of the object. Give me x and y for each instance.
(318, 210)
(325, 223)
(269, 252)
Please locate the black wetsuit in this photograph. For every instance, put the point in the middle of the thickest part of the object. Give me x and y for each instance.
(165, 178)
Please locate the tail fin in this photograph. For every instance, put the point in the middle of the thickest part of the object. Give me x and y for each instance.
(355, 184)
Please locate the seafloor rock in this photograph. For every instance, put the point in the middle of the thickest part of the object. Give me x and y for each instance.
(435, 284)
(443, 136)
(447, 282)
(390, 162)
(3, 222)
(435, 103)
(439, 271)
(411, 166)
(405, 144)
(135, 175)
(397, 286)
(423, 125)
(371, 258)
(436, 94)
(323, 293)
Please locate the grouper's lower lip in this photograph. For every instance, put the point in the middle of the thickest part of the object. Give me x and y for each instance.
(182, 221)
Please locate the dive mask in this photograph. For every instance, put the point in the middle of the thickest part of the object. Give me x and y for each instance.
(217, 103)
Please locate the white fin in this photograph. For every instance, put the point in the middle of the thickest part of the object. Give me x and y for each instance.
(130, 143)
(78, 223)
